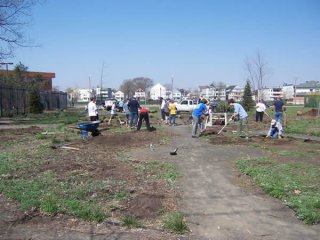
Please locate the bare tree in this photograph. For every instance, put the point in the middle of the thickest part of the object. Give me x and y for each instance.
(249, 68)
(143, 82)
(14, 15)
(257, 69)
(221, 85)
(128, 88)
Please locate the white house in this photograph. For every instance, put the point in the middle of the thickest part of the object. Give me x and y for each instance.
(234, 92)
(139, 93)
(84, 94)
(207, 91)
(176, 95)
(270, 94)
(307, 87)
(157, 91)
(288, 91)
(212, 92)
(119, 95)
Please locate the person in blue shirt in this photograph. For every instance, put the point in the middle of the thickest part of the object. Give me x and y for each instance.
(200, 109)
(240, 115)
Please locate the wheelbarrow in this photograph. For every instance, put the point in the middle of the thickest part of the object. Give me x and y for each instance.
(89, 128)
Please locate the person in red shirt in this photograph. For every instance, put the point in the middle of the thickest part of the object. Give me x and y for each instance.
(144, 115)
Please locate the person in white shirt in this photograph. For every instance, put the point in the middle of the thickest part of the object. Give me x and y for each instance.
(162, 107)
(260, 108)
(92, 109)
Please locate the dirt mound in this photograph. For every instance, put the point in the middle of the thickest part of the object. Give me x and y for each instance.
(146, 205)
(21, 131)
(312, 113)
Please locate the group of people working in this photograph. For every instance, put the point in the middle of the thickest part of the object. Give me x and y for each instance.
(168, 111)
(241, 117)
(134, 113)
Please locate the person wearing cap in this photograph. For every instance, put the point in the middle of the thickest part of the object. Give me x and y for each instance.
(275, 130)
(199, 110)
(240, 115)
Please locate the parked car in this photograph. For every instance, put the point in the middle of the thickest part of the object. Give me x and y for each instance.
(185, 106)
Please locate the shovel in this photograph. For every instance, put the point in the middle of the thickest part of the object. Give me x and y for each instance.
(174, 152)
(222, 129)
(267, 114)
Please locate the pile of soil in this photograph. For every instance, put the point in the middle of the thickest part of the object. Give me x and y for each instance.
(312, 113)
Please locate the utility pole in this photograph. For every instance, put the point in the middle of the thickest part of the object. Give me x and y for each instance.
(6, 63)
(172, 87)
(101, 82)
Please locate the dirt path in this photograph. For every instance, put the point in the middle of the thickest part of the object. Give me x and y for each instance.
(220, 203)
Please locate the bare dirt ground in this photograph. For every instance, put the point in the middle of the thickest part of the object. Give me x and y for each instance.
(218, 201)
(102, 157)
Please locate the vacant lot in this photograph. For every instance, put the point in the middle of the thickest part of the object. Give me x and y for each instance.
(124, 183)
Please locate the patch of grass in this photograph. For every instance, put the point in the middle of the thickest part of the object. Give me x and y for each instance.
(297, 184)
(164, 139)
(49, 204)
(174, 222)
(29, 192)
(44, 191)
(7, 163)
(56, 141)
(121, 195)
(160, 170)
(57, 117)
(130, 221)
(291, 153)
(310, 126)
(85, 210)
(41, 136)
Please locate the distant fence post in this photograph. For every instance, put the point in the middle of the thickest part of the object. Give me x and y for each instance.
(1, 102)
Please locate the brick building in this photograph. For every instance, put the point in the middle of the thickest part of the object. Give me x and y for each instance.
(46, 78)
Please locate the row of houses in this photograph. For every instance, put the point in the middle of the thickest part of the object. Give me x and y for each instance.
(157, 91)
(291, 93)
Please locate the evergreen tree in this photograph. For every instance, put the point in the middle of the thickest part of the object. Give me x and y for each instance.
(35, 105)
(248, 102)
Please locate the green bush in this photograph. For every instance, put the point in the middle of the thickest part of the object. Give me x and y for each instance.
(175, 223)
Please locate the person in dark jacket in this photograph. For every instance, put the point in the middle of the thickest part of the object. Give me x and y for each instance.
(134, 107)
(278, 108)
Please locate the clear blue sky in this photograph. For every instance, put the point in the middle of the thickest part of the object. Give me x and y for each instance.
(196, 41)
